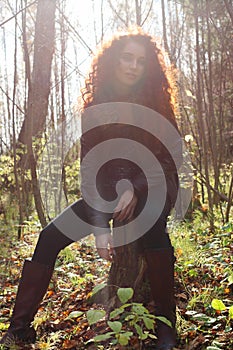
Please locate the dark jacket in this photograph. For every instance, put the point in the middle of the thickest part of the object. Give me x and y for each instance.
(115, 160)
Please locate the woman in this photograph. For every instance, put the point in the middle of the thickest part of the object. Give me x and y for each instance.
(129, 69)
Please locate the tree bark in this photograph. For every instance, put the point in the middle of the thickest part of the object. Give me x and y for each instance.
(202, 125)
(128, 269)
(38, 93)
(40, 82)
(138, 12)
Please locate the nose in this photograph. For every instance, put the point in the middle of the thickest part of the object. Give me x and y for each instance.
(133, 64)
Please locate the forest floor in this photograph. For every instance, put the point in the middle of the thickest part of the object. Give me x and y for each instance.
(203, 286)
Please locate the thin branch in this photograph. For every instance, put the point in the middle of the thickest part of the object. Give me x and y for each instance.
(75, 31)
(102, 20)
(117, 14)
(10, 99)
(229, 9)
(230, 202)
(147, 15)
(209, 186)
(5, 144)
(16, 14)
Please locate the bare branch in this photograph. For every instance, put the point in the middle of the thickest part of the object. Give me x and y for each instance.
(229, 9)
(116, 13)
(75, 31)
(10, 99)
(16, 14)
(147, 15)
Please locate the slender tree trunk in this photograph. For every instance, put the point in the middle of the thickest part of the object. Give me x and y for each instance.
(38, 93)
(201, 118)
(40, 84)
(230, 199)
(164, 28)
(165, 35)
(212, 119)
(17, 182)
(63, 114)
(138, 12)
(102, 20)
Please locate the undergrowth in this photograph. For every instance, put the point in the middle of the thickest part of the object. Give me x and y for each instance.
(203, 284)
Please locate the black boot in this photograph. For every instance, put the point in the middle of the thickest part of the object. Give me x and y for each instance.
(32, 288)
(161, 276)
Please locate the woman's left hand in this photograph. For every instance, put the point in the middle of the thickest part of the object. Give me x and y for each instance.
(104, 246)
(126, 206)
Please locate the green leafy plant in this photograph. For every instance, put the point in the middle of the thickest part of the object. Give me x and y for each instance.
(129, 320)
(219, 306)
(209, 321)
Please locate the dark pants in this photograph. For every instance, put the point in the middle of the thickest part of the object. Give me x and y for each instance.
(61, 232)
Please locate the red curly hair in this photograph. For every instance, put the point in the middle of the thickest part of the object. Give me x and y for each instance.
(156, 90)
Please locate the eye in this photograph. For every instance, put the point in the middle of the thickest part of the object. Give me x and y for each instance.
(141, 62)
(127, 57)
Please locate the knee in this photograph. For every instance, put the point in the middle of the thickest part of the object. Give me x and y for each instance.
(48, 232)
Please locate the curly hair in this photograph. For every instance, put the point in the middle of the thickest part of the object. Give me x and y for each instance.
(156, 90)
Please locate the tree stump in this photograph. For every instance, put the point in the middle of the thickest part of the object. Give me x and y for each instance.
(128, 269)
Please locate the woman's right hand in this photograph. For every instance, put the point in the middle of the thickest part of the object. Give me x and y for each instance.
(126, 206)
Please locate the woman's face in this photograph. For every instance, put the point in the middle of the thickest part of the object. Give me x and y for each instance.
(131, 66)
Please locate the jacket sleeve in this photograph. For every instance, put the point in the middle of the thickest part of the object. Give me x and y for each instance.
(98, 219)
(170, 163)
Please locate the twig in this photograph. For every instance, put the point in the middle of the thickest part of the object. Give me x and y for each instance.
(16, 14)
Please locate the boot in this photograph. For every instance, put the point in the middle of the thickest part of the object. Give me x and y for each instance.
(161, 276)
(32, 287)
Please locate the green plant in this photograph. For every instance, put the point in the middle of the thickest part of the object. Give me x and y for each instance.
(129, 320)
(219, 306)
(203, 298)
(67, 255)
(209, 321)
(126, 321)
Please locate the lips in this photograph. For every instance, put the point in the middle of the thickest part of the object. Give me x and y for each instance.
(131, 76)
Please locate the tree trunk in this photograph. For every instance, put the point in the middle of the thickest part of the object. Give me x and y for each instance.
(38, 93)
(138, 12)
(16, 175)
(40, 84)
(202, 124)
(128, 269)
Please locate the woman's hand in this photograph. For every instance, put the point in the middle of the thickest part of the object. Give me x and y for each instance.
(104, 246)
(126, 206)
